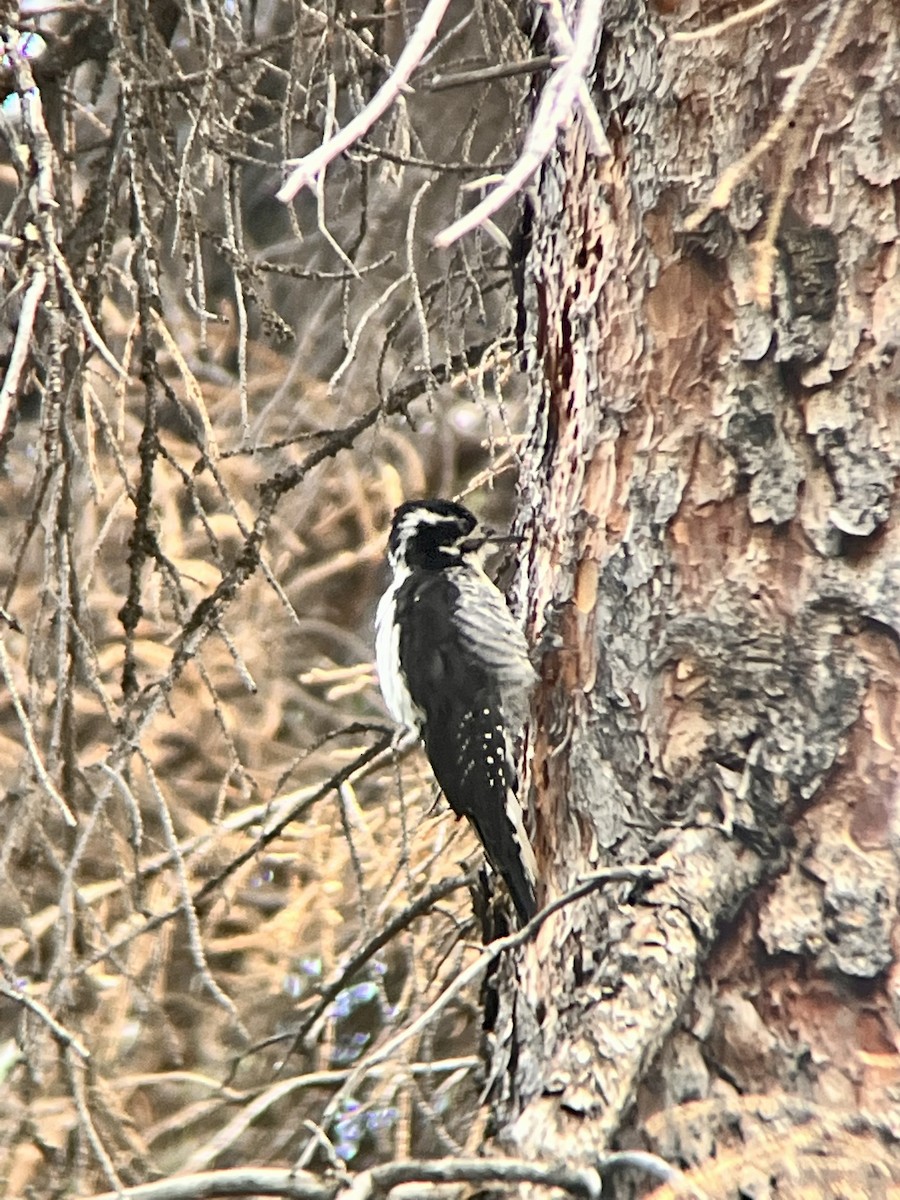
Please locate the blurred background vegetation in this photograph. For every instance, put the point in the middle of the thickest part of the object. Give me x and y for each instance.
(220, 890)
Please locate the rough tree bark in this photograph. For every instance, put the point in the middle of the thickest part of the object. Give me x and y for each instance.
(714, 580)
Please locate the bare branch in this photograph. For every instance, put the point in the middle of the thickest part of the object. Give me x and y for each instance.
(240, 1181)
(75, 1068)
(598, 879)
(421, 905)
(720, 27)
(24, 332)
(531, 66)
(62, 1035)
(187, 904)
(560, 93)
(308, 171)
(582, 1183)
(28, 734)
(90, 329)
(827, 40)
(301, 1185)
(250, 1112)
(658, 1168)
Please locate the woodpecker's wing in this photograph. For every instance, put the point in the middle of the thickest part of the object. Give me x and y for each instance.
(489, 628)
(467, 669)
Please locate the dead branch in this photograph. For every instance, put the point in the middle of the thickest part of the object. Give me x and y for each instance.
(34, 752)
(309, 170)
(22, 344)
(739, 18)
(301, 1185)
(441, 83)
(475, 970)
(19, 996)
(828, 39)
(578, 50)
(240, 1181)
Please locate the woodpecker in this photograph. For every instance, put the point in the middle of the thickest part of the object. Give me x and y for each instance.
(453, 666)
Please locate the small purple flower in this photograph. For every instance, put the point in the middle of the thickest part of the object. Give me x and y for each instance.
(294, 985)
(381, 1118)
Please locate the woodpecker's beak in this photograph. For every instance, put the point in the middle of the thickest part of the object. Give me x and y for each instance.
(488, 537)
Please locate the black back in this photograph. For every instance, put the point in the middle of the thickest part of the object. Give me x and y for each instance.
(464, 735)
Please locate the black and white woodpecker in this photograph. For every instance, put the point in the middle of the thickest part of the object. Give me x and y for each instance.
(453, 666)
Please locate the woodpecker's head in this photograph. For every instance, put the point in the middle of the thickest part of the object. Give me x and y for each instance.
(432, 535)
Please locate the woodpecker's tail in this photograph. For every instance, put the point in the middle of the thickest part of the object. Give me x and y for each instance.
(472, 759)
(502, 833)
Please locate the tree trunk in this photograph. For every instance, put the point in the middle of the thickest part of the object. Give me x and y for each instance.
(714, 582)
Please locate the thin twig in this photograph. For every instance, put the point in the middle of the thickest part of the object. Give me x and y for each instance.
(445, 167)
(720, 27)
(374, 308)
(766, 251)
(195, 937)
(274, 830)
(239, 1181)
(590, 883)
(565, 44)
(28, 734)
(531, 66)
(418, 303)
(321, 221)
(417, 908)
(90, 328)
(33, 118)
(62, 1035)
(22, 344)
(308, 171)
(75, 1069)
(288, 810)
(565, 86)
(380, 1054)
(830, 34)
(263, 1101)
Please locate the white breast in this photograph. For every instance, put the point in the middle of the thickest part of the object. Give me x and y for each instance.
(387, 660)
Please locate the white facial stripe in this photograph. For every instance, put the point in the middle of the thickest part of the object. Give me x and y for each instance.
(425, 516)
(414, 521)
(411, 524)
